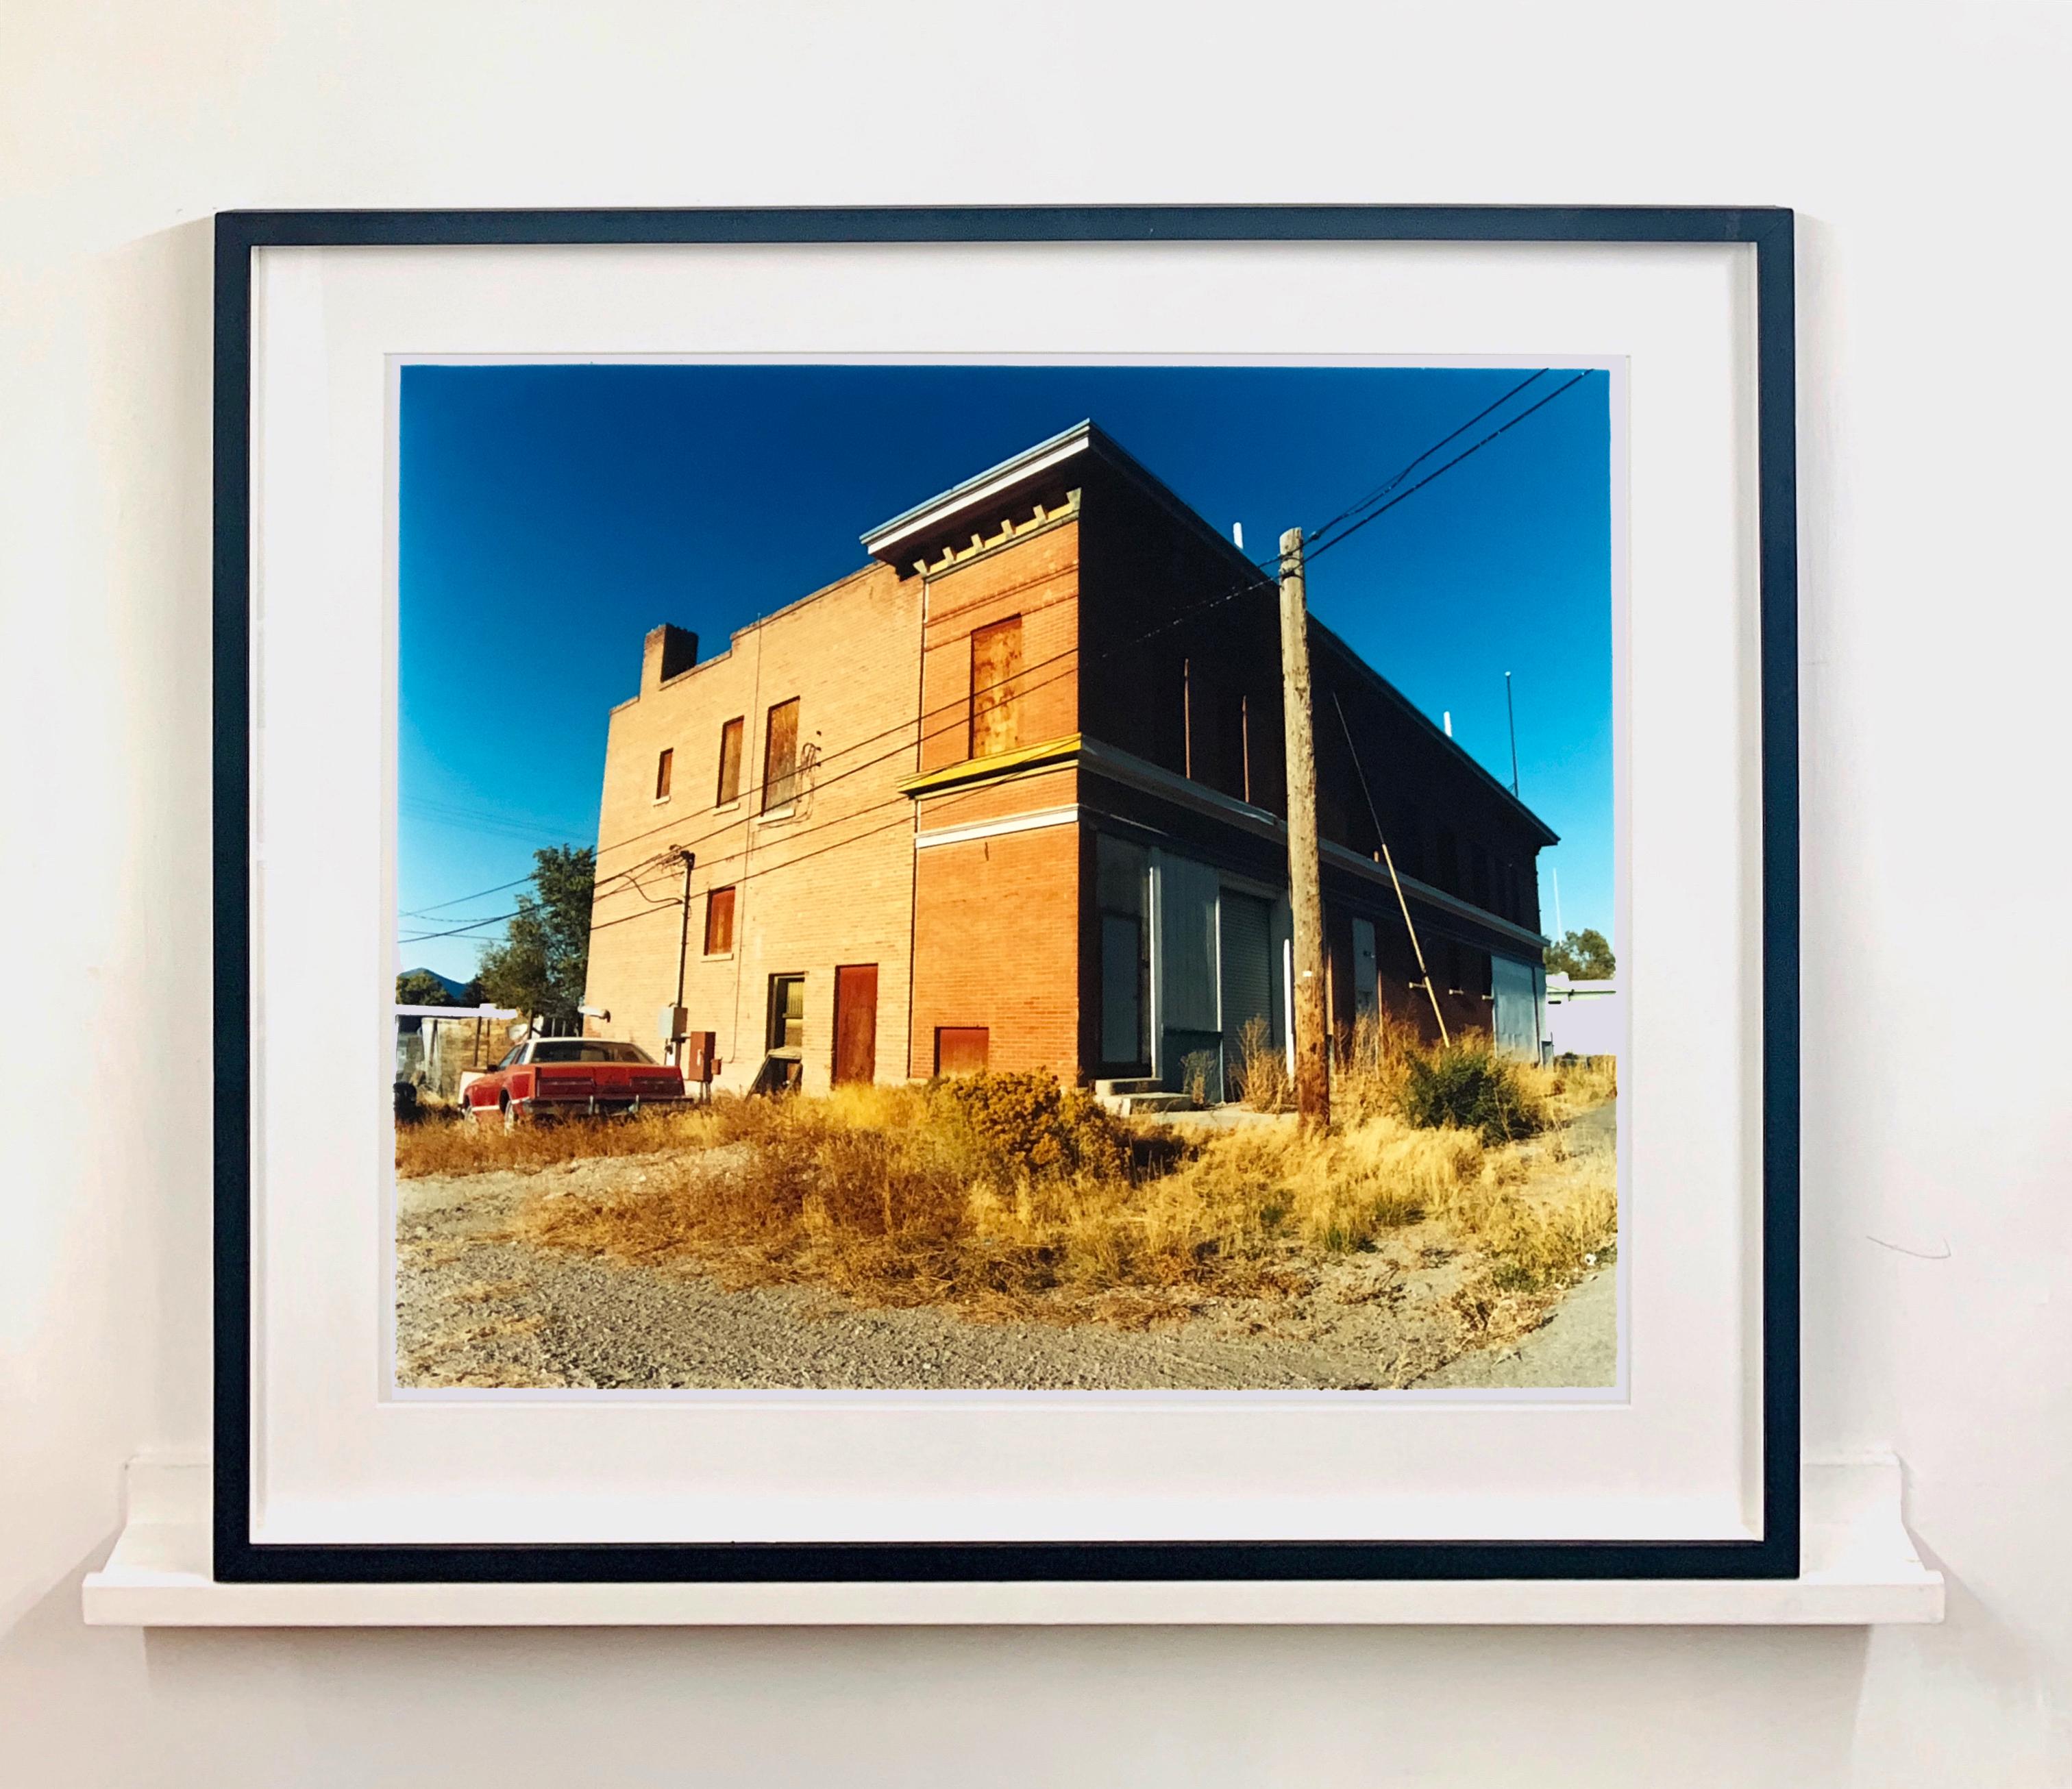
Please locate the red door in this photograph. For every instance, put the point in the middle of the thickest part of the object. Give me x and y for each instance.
(856, 1023)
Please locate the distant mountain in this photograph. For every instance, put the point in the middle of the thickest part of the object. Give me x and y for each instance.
(456, 991)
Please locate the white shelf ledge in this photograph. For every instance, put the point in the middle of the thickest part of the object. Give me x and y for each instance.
(1859, 1569)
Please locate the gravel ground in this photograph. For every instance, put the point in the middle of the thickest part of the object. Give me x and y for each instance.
(1577, 1346)
(474, 1308)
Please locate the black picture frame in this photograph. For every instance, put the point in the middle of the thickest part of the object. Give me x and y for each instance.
(237, 1558)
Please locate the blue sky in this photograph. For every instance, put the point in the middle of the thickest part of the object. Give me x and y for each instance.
(550, 516)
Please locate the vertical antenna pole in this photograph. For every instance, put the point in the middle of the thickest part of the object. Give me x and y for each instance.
(1511, 713)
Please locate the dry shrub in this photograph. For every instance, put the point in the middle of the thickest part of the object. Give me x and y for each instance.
(1465, 1085)
(454, 1145)
(1006, 1194)
(1201, 1077)
(1373, 1064)
(1263, 1081)
(1025, 1125)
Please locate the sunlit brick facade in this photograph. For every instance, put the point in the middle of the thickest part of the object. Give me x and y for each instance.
(1011, 795)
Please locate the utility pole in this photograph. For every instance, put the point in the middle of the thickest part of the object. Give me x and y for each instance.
(1511, 714)
(690, 859)
(1312, 1083)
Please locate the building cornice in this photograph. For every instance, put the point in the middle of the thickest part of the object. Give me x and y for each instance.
(973, 772)
(886, 540)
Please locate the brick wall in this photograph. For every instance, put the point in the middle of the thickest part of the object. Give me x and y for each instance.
(1036, 577)
(1055, 786)
(998, 923)
(997, 920)
(987, 931)
(830, 883)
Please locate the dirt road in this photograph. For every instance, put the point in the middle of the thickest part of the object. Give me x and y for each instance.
(475, 1307)
(1576, 1347)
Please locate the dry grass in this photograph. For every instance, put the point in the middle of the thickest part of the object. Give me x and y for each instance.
(1573, 1087)
(1262, 1077)
(449, 1146)
(1005, 1195)
(1373, 1068)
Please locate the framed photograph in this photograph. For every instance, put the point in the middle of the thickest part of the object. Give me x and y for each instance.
(1017, 895)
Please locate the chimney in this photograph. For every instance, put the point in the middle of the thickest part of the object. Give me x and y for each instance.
(669, 652)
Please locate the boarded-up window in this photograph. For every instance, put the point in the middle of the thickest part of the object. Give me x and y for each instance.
(719, 922)
(664, 766)
(780, 755)
(996, 668)
(960, 1049)
(730, 763)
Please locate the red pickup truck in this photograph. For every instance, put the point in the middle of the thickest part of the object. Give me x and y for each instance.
(568, 1078)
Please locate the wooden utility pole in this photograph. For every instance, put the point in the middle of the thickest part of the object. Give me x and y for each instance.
(1313, 1077)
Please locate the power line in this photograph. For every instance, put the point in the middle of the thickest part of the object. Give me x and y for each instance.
(440, 907)
(458, 900)
(961, 704)
(1440, 471)
(1194, 610)
(499, 918)
(771, 869)
(1381, 491)
(958, 709)
(423, 937)
(1186, 614)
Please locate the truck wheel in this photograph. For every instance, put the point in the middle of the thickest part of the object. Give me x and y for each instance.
(510, 1116)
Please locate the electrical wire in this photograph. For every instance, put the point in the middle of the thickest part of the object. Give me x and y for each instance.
(1440, 471)
(960, 705)
(1381, 491)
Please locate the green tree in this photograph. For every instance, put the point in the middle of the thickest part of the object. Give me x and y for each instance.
(1583, 956)
(543, 961)
(421, 988)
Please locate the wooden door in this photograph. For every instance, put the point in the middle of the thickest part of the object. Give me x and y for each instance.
(856, 1023)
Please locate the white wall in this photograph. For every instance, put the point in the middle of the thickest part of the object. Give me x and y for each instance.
(1925, 148)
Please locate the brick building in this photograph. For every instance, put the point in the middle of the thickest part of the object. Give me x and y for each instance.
(1079, 864)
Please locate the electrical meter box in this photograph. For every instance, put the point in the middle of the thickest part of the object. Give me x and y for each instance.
(697, 1058)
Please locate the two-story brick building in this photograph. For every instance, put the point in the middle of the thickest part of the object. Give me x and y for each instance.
(1012, 794)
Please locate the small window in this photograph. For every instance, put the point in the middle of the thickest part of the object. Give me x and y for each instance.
(730, 763)
(664, 766)
(780, 755)
(996, 669)
(719, 922)
(960, 1049)
(787, 1012)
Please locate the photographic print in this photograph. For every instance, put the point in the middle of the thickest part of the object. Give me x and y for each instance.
(848, 937)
